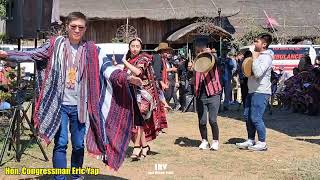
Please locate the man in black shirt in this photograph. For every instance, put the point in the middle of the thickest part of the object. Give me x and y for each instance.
(183, 82)
(157, 67)
(171, 92)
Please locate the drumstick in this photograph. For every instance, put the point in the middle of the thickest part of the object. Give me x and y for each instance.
(189, 56)
(176, 76)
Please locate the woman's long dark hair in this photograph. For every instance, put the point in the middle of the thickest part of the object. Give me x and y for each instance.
(304, 62)
(247, 54)
(129, 55)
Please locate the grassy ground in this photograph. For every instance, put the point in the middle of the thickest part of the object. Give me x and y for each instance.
(293, 141)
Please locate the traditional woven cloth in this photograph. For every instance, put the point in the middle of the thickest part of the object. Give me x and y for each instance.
(116, 112)
(164, 71)
(157, 120)
(211, 80)
(95, 141)
(47, 118)
(47, 111)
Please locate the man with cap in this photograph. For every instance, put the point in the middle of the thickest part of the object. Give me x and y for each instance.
(165, 72)
(162, 52)
(208, 90)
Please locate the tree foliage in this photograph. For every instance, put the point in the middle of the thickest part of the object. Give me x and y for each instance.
(252, 30)
(248, 37)
(317, 40)
(7, 82)
(116, 40)
(2, 8)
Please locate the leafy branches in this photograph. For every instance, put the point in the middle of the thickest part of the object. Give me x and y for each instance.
(2, 8)
(251, 31)
(317, 40)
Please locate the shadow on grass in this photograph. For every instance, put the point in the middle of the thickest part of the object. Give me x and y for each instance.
(90, 177)
(130, 150)
(24, 145)
(186, 142)
(314, 141)
(283, 121)
(5, 161)
(235, 140)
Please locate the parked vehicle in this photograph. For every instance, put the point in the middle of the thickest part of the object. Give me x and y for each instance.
(288, 56)
(317, 49)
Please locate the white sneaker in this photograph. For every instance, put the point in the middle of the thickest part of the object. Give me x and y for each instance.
(259, 146)
(246, 144)
(204, 145)
(214, 145)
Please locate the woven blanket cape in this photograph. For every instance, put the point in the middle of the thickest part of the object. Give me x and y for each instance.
(116, 112)
(47, 116)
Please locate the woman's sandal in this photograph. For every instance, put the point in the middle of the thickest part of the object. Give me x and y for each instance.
(147, 153)
(136, 157)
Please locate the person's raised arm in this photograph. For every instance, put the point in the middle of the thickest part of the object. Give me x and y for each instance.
(39, 54)
(121, 78)
(133, 69)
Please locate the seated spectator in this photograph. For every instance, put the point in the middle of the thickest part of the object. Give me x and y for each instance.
(305, 63)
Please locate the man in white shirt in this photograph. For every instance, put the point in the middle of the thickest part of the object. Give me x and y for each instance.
(259, 85)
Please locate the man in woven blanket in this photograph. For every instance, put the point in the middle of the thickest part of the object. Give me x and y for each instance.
(68, 93)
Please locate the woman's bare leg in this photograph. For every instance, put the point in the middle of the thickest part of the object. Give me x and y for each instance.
(136, 141)
(145, 146)
(143, 138)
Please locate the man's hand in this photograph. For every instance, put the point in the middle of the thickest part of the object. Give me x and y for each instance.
(3, 54)
(190, 64)
(135, 80)
(124, 61)
(207, 50)
(177, 85)
(114, 62)
(164, 85)
(174, 69)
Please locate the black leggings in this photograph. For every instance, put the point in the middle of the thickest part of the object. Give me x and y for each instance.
(244, 90)
(171, 92)
(209, 105)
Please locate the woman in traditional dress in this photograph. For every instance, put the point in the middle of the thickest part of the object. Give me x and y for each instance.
(148, 101)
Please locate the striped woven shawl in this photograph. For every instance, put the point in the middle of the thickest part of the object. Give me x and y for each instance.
(116, 112)
(47, 111)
